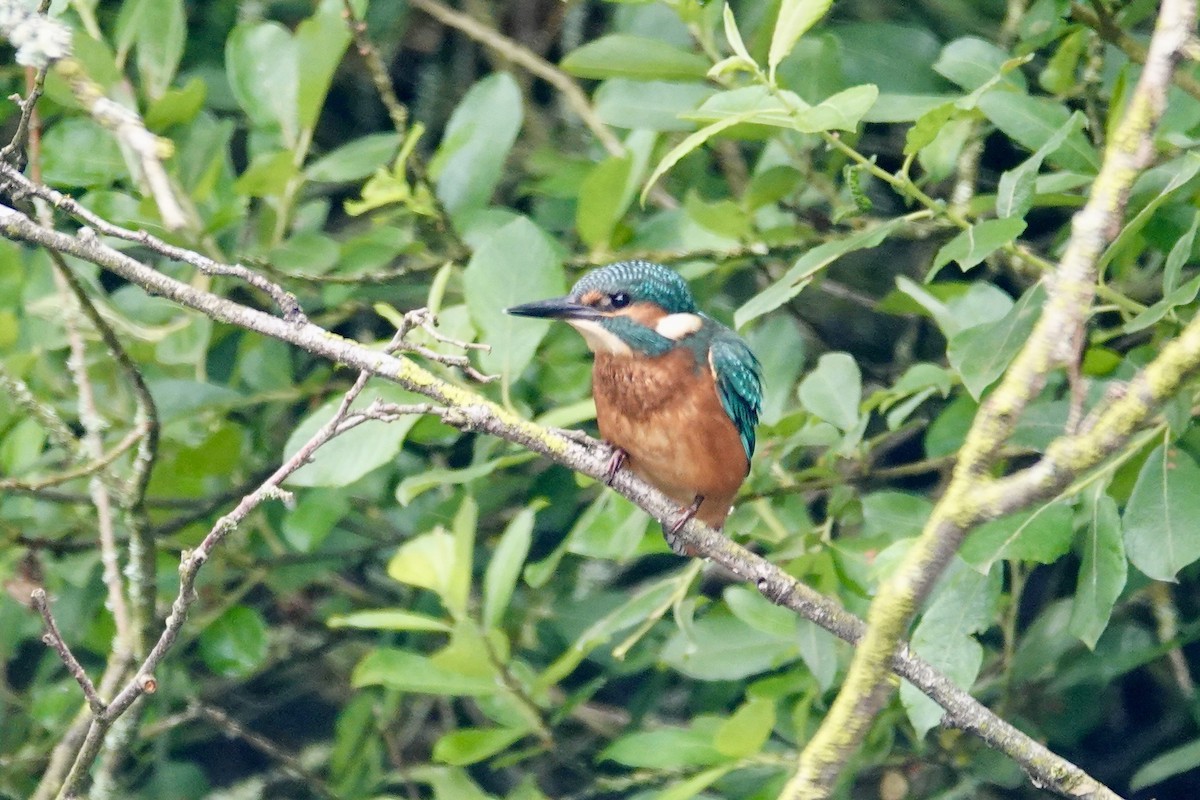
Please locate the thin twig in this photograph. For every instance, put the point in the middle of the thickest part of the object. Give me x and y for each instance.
(54, 639)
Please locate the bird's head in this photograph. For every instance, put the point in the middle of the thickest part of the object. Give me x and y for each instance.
(630, 307)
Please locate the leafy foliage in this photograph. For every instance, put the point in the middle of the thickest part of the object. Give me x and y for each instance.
(439, 614)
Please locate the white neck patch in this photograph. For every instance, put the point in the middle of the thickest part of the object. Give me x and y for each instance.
(599, 339)
(677, 326)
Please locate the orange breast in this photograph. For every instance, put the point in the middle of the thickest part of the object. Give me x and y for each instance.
(667, 416)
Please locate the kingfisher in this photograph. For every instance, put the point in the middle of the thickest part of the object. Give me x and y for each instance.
(677, 393)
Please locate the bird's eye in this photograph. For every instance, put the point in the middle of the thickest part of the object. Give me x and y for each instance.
(619, 300)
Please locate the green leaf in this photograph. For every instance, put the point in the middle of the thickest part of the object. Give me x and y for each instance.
(609, 528)
(410, 672)
(690, 143)
(620, 55)
(649, 105)
(520, 248)
(720, 647)
(389, 619)
(971, 63)
(1102, 572)
(794, 19)
(1043, 536)
(1161, 535)
(472, 745)
(1179, 296)
(320, 42)
(1181, 253)
(665, 748)
(415, 485)
(808, 265)
(963, 604)
(78, 152)
(464, 527)
(982, 353)
(1176, 761)
(604, 197)
(260, 61)
(355, 160)
(833, 391)
(689, 788)
(21, 446)
(1014, 195)
(427, 561)
(976, 243)
(313, 518)
(177, 106)
(162, 30)
(504, 567)
(350, 455)
(1181, 170)
(1032, 121)
(785, 109)
(234, 645)
(894, 515)
(747, 730)
(481, 131)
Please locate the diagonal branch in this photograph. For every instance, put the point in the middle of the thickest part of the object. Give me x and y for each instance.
(1054, 342)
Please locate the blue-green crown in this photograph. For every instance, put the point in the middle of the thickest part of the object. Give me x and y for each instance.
(643, 281)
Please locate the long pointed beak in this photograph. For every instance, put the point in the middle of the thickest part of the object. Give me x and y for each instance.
(555, 308)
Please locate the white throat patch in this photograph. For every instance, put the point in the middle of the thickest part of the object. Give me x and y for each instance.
(677, 326)
(599, 339)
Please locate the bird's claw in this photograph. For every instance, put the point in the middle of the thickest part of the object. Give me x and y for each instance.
(615, 462)
(671, 532)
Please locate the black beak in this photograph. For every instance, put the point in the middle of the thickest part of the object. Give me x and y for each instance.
(555, 308)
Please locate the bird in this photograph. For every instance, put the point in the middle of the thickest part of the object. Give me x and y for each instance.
(678, 394)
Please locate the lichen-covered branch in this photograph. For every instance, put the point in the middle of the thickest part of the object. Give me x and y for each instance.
(1054, 342)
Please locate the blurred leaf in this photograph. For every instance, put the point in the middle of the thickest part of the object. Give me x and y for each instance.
(972, 62)
(481, 131)
(415, 485)
(389, 619)
(982, 353)
(747, 730)
(963, 604)
(1102, 571)
(1161, 537)
(1176, 761)
(351, 455)
(1179, 296)
(894, 515)
(504, 567)
(1033, 121)
(1181, 170)
(260, 60)
(808, 265)
(234, 645)
(78, 152)
(976, 243)
(320, 42)
(665, 748)
(793, 21)
(411, 672)
(490, 283)
(723, 648)
(1014, 195)
(471, 745)
(21, 446)
(649, 105)
(1042, 536)
(603, 199)
(356, 159)
(314, 517)
(620, 55)
(161, 31)
(689, 788)
(427, 561)
(833, 390)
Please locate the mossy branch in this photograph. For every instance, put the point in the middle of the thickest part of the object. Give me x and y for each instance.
(1055, 342)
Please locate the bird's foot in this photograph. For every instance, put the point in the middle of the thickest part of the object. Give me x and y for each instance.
(671, 532)
(615, 462)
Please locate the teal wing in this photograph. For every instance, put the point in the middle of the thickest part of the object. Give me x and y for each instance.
(739, 383)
